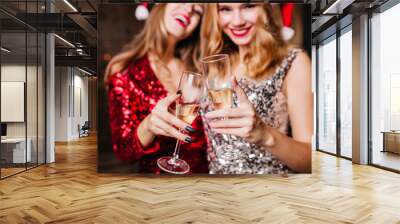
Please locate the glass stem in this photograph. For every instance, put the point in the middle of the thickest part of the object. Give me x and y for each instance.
(175, 156)
(176, 151)
(228, 136)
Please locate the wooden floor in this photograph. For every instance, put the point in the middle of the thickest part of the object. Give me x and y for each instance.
(387, 159)
(71, 191)
(10, 171)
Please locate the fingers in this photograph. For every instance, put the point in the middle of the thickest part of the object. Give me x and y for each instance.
(161, 111)
(171, 119)
(232, 123)
(234, 81)
(161, 127)
(158, 131)
(169, 100)
(241, 127)
(162, 122)
(163, 106)
(230, 113)
(240, 132)
(241, 95)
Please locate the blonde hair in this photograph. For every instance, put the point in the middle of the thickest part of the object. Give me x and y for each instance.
(266, 51)
(153, 38)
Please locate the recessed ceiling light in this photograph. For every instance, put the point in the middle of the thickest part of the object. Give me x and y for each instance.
(338, 6)
(70, 5)
(5, 50)
(64, 40)
(84, 71)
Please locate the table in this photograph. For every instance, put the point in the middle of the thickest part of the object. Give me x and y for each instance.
(391, 141)
(13, 150)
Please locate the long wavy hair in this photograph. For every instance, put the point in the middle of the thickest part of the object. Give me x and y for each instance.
(264, 53)
(154, 38)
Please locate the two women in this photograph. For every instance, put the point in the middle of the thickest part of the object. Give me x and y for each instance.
(272, 123)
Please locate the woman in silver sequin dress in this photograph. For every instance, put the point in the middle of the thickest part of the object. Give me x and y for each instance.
(271, 124)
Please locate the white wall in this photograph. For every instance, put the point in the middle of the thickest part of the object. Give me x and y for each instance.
(71, 94)
(62, 81)
(80, 102)
(33, 127)
(13, 73)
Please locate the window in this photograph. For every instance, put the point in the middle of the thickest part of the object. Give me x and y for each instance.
(385, 89)
(327, 96)
(346, 93)
(22, 77)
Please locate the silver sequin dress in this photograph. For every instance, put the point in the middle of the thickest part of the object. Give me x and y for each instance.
(242, 157)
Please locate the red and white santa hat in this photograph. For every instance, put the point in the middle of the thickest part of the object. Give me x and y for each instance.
(142, 11)
(287, 31)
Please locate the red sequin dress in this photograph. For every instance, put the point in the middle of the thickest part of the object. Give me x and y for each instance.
(132, 94)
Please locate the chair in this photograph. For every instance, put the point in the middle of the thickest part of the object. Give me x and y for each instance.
(84, 130)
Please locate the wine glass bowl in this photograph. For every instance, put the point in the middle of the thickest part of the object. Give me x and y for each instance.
(217, 70)
(187, 111)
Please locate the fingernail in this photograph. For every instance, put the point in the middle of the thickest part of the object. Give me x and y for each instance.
(188, 140)
(189, 129)
(234, 82)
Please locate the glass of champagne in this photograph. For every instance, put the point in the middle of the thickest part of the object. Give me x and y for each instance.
(217, 70)
(191, 86)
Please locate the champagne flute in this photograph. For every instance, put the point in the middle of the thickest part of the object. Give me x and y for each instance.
(191, 86)
(217, 70)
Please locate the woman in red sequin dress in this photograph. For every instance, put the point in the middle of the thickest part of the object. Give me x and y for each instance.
(142, 84)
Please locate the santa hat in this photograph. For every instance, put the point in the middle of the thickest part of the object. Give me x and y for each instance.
(142, 11)
(287, 31)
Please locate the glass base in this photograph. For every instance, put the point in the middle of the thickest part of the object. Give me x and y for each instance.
(178, 166)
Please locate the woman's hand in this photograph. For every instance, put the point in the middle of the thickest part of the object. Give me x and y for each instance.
(162, 122)
(242, 121)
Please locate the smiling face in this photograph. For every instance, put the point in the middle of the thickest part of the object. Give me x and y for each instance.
(239, 20)
(181, 19)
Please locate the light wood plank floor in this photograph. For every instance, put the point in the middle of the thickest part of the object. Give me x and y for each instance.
(10, 171)
(71, 191)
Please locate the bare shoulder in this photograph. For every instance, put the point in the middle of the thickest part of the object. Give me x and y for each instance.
(116, 67)
(301, 62)
(299, 74)
(300, 69)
